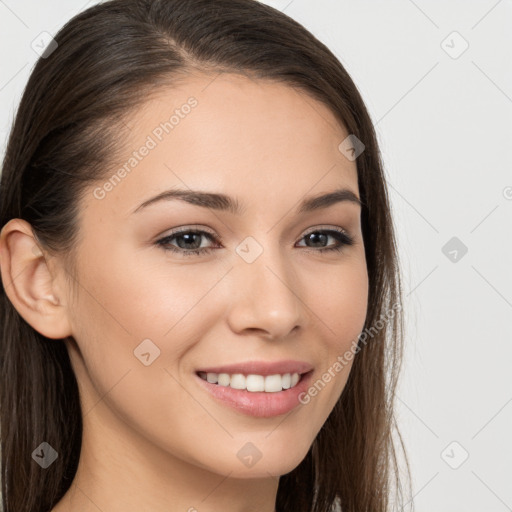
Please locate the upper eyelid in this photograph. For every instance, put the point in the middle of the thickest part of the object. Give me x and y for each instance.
(325, 228)
(196, 227)
(191, 228)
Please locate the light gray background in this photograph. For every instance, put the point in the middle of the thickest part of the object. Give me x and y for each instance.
(444, 125)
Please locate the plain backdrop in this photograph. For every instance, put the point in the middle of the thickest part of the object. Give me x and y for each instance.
(436, 77)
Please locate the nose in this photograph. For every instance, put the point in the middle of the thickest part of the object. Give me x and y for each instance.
(265, 297)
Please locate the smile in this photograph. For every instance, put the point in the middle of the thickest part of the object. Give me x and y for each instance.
(256, 395)
(252, 382)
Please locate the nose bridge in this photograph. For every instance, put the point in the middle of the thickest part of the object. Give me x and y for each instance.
(266, 295)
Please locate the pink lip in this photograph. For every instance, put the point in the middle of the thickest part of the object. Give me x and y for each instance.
(261, 368)
(259, 404)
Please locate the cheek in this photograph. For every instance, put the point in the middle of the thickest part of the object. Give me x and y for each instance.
(121, 308)
(149, 300)
(127, 311)
(342, 307)
(341, 302)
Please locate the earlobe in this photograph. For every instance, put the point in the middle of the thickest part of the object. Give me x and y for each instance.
(28, 281)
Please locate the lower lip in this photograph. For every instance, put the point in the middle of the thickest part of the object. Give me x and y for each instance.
(259, 404)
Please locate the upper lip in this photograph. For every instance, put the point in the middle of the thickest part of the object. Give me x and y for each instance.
(261, 367)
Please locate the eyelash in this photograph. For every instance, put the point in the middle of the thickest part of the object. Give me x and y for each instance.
(343, 238)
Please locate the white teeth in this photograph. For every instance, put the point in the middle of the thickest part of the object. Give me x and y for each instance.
(212, 377)
(273, 383)
(237, 381)
(254, 383)
(223, 379)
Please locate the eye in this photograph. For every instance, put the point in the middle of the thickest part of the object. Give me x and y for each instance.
(320, 236)
(189, 241)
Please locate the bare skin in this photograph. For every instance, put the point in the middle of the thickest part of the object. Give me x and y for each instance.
(154, 439)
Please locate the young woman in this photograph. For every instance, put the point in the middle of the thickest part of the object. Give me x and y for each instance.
(200, 289)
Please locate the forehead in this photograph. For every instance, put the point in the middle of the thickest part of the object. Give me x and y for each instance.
(228, 133)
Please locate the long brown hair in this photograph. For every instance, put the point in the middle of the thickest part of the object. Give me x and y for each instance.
(66, 133)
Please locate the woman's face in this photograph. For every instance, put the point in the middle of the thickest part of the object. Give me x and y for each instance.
(149, 315)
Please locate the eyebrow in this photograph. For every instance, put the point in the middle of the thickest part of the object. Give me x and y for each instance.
(223, 202)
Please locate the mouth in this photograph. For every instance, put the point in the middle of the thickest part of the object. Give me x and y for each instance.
(254, 382)
(261, 396)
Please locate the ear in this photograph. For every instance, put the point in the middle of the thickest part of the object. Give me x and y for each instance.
(29, 283)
